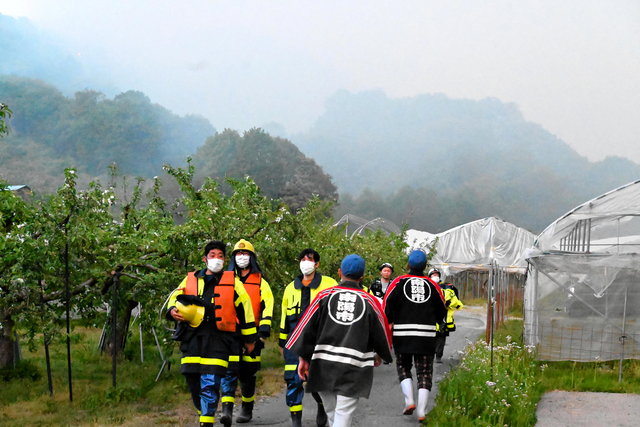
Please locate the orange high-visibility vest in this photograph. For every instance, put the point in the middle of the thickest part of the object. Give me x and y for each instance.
(252, 286)
(225, 310)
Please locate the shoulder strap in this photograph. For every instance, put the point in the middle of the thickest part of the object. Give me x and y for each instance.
(192, 284)
(228, 278)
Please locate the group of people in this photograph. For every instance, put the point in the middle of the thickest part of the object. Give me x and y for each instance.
(332, 334)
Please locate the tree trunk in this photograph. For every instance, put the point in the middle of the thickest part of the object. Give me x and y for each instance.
(122, 328)
(8, 344)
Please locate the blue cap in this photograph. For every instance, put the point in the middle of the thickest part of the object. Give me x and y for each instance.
(352, 266)
(418, 259)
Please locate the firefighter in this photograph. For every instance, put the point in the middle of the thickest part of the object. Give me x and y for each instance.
(297, 297)
(244, 366)
(452, 303)
(211, 307)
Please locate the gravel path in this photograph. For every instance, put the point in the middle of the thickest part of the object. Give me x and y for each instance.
(384, 407)
(571, 409)
(555, 409)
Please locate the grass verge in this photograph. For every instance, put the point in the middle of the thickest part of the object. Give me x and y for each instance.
(475, 394)
(137, 400)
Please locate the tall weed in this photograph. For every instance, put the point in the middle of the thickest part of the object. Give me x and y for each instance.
(477, 394)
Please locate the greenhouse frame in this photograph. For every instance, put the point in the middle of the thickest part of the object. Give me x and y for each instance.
(582, 298)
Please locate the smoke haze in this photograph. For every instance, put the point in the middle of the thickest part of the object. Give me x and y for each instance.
(571, 66)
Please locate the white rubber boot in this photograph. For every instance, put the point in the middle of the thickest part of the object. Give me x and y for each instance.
(423, 398)
(407, 390)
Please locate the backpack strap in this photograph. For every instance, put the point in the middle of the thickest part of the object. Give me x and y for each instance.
(192, 284)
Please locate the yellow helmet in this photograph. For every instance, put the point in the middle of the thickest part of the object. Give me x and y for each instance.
(243, 245)
(192, 313)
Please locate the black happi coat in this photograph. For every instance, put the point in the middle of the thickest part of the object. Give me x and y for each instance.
(415, 306)
(339, 335)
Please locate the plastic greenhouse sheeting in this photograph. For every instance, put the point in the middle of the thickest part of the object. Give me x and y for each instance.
(582, 298)
(473, 246)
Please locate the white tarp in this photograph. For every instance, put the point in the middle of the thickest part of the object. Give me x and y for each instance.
(582, 298)
(476, 244)
(613, 219)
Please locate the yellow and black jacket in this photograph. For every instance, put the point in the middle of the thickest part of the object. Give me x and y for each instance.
(453, 303)
(295, 301)
(206, 349)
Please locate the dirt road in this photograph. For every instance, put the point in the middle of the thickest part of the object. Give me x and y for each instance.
(568, 409)
(384, 407)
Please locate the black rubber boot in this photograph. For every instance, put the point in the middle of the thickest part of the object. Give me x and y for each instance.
(246, 413)
(321, 418)
(227, 414)
(296, 418)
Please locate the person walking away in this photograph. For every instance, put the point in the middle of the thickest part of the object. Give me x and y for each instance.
(340, 339)
(245, 366)
(379, 286)
(297, 297)
(415, 308)
(452, 303)
(210, 306)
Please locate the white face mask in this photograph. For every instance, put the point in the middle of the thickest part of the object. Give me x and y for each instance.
(214, 265)
(307, 267)
(242, 261)
(435, 279)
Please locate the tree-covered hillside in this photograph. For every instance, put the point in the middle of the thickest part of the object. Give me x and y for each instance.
(456, 160)
(50, 132)
(277, 166)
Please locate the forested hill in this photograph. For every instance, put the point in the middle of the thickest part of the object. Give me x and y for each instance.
(437, 162)
(49, 132)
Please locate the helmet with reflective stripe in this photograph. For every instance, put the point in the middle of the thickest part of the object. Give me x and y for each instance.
(434, 271)
(386, 264)
(192, 313)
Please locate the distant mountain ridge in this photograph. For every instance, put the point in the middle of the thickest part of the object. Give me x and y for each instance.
(27, 51)
(515, 169)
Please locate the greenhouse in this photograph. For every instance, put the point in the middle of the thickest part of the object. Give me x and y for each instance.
(480, 256)
(582, 298)
(473, 246)
(355, 225)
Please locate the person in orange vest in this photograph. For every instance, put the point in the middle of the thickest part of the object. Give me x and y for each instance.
(245, 365)
(211, 308)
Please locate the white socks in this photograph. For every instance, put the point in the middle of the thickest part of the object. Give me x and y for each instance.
(423, 398)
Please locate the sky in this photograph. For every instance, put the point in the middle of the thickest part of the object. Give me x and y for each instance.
(571, 66)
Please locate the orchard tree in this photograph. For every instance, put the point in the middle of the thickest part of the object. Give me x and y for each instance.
(5, 113)
(149, 246)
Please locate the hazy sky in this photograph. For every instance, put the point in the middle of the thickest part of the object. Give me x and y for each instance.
(572, 66)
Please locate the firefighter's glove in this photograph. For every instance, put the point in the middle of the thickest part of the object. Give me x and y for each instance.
(258, 345)
(190, 299)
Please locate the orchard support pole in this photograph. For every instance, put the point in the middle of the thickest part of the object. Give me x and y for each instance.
(114, 326)
(46, 344)
(66, 284)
